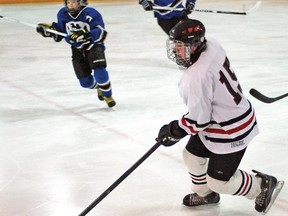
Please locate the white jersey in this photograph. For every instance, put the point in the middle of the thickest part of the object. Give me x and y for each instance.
(218, 111)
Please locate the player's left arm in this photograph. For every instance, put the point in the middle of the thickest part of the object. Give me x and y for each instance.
(98, 32)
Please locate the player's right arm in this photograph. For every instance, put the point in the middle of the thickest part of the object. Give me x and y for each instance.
(42, 30)
(43, 27)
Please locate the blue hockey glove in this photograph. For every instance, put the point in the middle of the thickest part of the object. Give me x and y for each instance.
(188, 8)
(170, 134)
(147, 5)
(79, 36)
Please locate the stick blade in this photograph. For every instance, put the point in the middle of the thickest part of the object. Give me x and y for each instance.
(264, 98)
(255, 7)
(260, 96)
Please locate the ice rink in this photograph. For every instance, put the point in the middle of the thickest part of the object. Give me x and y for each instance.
(60, 147)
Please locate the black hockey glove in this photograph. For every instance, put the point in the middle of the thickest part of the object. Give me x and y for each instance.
(188, 8)
(147, 5)
(170, 134)
(41, 29)
(80, 36)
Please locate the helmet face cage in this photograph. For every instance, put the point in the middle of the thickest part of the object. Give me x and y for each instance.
(185, 39)
(179, 52)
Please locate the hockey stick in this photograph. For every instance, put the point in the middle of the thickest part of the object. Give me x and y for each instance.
(119, 180)
(264, 98)
(32, 25)
(211, 11)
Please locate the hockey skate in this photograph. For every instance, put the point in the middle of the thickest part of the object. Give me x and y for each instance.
(99, 93)
(110, 101)
(270, 188)
(196, 200)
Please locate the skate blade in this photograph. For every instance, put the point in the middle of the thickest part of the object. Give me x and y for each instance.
(276, 192)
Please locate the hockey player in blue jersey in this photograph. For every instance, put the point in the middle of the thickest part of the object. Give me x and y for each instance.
(167, 19)
(86, 33)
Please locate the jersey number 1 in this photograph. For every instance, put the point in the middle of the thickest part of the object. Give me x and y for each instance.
(236, 96)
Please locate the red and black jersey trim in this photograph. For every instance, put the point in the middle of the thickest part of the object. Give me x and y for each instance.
(251, 123)
(238, 138)
(222, 124)
(237, 119)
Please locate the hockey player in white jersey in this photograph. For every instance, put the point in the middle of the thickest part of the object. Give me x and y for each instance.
(220, 120)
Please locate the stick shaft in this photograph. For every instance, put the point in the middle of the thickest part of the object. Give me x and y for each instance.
(198, 10)
(34, 26)
(221, 12)
(258, 3)
(119, 180)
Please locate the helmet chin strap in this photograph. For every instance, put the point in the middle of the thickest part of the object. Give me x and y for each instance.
(194, 56)
(202, 47)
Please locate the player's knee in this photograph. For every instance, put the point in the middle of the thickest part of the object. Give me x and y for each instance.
(88, 82)
(101, 75)
(216, 185)
(192, 160)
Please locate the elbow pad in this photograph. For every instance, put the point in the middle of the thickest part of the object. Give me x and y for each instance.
(102, 35)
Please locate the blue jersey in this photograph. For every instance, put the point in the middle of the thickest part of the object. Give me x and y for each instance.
(164, 14)
(88, 19)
